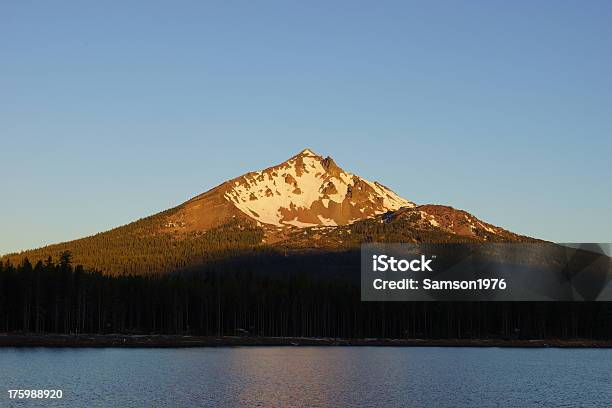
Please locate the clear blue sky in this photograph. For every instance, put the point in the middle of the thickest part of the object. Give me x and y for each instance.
(111, 112)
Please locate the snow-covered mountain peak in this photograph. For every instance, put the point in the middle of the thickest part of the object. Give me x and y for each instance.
(309, 190)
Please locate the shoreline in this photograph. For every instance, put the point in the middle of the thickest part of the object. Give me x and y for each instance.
(183, 341)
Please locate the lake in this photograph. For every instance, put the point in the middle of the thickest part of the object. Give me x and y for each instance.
(310, 377)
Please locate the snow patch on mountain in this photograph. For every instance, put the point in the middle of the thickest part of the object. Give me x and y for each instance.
(309, 190)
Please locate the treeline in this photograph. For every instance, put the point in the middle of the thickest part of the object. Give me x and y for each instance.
(265, 294)
(146, 246)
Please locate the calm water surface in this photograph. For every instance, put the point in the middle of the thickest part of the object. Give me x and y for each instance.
(311, 377)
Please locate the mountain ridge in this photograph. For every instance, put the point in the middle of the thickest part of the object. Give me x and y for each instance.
(305, 190)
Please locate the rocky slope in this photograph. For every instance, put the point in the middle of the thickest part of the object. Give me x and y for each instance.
(306, 190)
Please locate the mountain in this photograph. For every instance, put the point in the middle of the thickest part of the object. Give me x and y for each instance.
(306, 202)
(305, 191)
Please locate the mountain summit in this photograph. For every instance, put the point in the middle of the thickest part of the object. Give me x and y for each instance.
(309, 190)
(304, 191)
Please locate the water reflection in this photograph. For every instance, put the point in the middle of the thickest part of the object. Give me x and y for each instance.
(311, 377)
